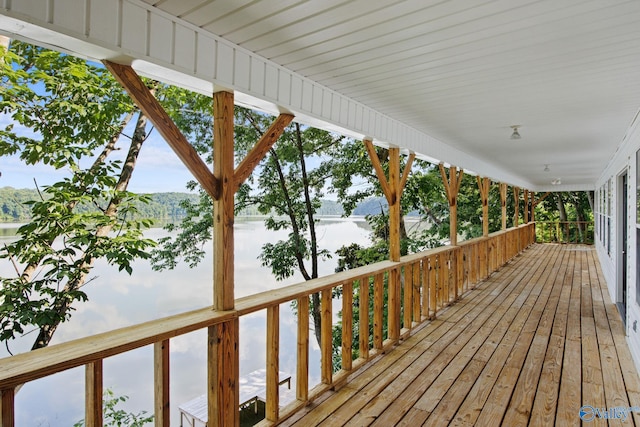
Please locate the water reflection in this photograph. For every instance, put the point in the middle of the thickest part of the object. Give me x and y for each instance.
(117, 300)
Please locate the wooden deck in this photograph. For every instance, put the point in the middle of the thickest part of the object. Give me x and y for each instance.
(529, 346)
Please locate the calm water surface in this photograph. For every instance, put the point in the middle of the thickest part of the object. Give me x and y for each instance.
(117, 300)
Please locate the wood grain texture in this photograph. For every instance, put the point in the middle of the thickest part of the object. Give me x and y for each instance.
(223, 214)
(302, 367)
(223, 373)
(93, 394)
(260, 149)
(161, 375)
(7, 401)
(150, 106)
(347, 326)
(273, 363)
(387, 189)
(326, 353)
(528, 346)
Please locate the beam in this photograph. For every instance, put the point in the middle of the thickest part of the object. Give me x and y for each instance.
(150, 106)
(386, 188)
(406, 171)
(259, 150)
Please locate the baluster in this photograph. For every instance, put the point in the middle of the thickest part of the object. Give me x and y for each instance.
(378, 303)
(408, 294)
(363, 304)
(93, 394)
(416, 292)
(424, 309)
(161, 379)
(326, 337)
(273, 362)
(302, 370)
(7, 407)
(347, 325)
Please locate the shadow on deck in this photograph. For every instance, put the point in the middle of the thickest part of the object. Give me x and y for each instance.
(531, 345)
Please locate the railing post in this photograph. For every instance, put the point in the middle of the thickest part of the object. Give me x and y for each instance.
(223, 377)
(363, 303)
(7, 407)
(302, 371)
(93, 394)
(347, 326)
(162, 416)
(326, 337)
(273, 362)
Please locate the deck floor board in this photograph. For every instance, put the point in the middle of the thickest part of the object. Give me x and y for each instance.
(528, 346)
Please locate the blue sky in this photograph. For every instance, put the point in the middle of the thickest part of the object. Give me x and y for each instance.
(158, 169)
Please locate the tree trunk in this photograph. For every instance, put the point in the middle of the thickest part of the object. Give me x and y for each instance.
(30, 269)
(62, 306)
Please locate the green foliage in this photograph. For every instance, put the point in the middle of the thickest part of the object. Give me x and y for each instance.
(66, 113)
(14, 205)
(113, 416)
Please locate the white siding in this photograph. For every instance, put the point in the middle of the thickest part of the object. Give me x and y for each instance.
(625, 160)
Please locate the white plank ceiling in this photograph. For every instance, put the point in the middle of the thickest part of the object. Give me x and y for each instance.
(461, 71)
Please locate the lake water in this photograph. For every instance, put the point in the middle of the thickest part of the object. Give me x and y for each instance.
(117, 300)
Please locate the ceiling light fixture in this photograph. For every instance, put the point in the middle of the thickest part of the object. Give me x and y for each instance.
(546, 168)
(515, 134)
(556, 181)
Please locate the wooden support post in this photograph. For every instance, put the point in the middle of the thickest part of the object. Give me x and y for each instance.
(223, 372)
(223, 339)
(7, 407)
(93, 394)
(162, 416)
(526, 206)
(452, 186)
(273, 362)
(392, 188)
(503, 204)
(223, 216)
(516, 200)
(302, 371)
(394, 244)
(483, 186)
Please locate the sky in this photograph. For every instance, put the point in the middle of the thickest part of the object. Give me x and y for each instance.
(158, 170)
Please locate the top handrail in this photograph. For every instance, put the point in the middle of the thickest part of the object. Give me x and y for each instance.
(29, 366)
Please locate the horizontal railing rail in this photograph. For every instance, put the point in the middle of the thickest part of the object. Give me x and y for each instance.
(565, 232)
(414, 289)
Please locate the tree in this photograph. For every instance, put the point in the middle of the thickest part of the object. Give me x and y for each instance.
(287, 187)
(116, 417)
(76, 114)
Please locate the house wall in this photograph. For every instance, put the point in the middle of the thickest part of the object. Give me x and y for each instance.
(609, 226)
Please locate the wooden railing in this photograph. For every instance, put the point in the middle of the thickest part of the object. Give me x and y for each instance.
(565, 232)
(416, 289)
